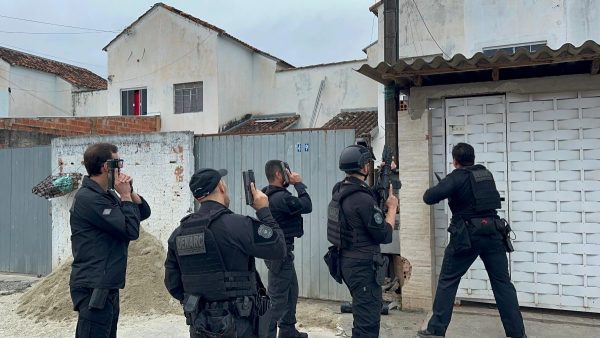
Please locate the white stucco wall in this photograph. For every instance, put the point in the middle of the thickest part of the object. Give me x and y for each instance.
(92, 103)
(236, 68)
(263, 83)
(161, 165)
(4, 84)
(164, 49)
(468, 26)
(296, 91)
(445, 20)
(35, 93)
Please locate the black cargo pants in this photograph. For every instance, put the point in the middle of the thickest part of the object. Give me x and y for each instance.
(492, 251)
(95, 323)
(283, 290)
(359, 276)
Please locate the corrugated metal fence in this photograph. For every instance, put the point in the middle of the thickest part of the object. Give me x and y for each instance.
(25, 222)
(314, 154)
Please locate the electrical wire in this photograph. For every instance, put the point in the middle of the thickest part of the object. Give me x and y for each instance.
(48, 33)
(427, 27)
(49, 55)
(60, 25)
(36, 97)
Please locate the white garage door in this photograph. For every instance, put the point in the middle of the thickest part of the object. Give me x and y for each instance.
(544, 151)
(479, 121)
(554, 179)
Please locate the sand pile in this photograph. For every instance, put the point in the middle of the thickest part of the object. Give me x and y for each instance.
(144, 291)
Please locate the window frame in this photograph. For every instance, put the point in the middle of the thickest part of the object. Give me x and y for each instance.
(186, 89)
(143, 98)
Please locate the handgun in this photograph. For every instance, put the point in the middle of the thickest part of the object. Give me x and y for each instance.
(248, 177)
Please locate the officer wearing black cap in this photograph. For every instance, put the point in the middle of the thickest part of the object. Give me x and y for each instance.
(357, 227)
(287, 210)
(475, 230)
(210, 264)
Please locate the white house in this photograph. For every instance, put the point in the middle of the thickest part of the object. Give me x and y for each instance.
(200, 78)
(32, 86)
(518, 80)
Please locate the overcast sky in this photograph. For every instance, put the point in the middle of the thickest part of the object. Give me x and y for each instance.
(299, 32)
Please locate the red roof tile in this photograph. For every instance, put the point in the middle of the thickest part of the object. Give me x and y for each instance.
(361, 121)
(80, 77)
(261, 124)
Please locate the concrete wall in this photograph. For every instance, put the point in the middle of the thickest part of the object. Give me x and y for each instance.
(236, 83)
(415, 164)
(263, 84)
(19, 139)
(296, 91)
(4, 85)
(34, 93)
(91, 103)
(445, 19)
(161, 165)
(161, 50)
(468, 26)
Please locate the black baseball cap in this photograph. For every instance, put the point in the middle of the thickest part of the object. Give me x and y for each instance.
(205, 180)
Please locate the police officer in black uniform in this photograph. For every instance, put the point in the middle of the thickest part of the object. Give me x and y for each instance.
(287, 210)
(102, 225)
(210, 261)
(475, 230)
(357, 227)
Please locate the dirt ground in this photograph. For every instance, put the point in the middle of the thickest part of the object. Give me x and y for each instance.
(318, 318)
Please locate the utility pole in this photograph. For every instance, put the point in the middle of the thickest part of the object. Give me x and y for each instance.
(390, 56)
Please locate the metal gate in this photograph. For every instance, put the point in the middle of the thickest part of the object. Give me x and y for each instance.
(544, 151)
(25, 225)
(314, 154)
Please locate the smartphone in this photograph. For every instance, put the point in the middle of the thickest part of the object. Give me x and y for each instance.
(248, 177)
(285, 167)
(112, 165)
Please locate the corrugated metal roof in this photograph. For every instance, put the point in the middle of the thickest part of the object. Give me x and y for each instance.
(263, 123)
(203, 23)
(567, 59)
(363, 122)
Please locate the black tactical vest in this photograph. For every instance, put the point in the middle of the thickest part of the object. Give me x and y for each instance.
(292, 225)
(203, 272)
(339, 232)
(484, 189)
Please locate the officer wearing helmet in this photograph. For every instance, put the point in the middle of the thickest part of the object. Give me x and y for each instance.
(356, 227)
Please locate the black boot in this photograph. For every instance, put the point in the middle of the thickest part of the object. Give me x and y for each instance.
(428, 334)
(293, 333)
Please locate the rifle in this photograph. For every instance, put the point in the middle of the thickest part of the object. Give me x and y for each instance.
(383, 182)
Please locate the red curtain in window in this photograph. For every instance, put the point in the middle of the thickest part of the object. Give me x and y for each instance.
(137, 103)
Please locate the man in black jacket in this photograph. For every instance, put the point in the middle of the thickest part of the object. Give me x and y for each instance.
(287, 210)
(210, 261)
(102, 225)
(475, 230)
(357, 226)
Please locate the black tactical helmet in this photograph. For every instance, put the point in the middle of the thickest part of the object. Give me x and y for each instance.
(354, 157)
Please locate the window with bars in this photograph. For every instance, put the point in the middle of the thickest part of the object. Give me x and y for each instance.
(134, 102)
(188, 97)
